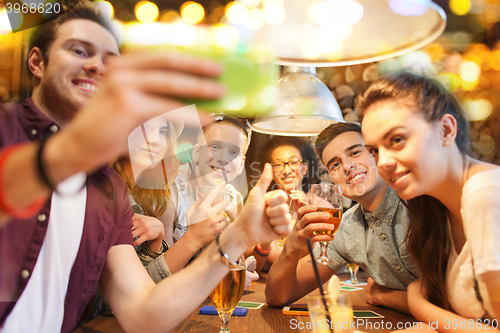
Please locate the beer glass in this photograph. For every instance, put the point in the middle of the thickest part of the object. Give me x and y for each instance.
(353, 268)
(328, 198)
(227, 294)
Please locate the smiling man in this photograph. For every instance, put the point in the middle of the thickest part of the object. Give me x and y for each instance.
(65, 218)
(371, 233)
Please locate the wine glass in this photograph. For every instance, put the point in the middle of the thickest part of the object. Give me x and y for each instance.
(328, 198)
(227, 294)
(353, 268)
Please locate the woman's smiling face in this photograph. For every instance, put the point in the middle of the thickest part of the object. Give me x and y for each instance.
(407, 148)
(147, 152)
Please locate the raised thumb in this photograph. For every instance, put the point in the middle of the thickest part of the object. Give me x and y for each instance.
(264, 181)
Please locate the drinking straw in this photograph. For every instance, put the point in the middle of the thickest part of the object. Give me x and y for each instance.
(320, 284)
(291, 200)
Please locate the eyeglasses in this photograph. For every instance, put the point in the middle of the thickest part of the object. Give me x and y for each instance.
(293, 164)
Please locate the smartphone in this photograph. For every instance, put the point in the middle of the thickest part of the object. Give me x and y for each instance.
(250, 78)
(295, 310)
(211, 310)
(366, 314)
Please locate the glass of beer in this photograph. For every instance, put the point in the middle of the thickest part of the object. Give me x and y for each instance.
(353, 268)
(328, 198)
(227, 294)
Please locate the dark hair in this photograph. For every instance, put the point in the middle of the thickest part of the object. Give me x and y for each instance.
(44, 36)
(306, 151)
(427, 236)
(330, 133)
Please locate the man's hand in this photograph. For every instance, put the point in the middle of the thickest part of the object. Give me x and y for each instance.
(135, 88)
(264, 216)
(309, 221)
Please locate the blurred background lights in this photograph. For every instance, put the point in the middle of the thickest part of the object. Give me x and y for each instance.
(478, 110)
(449, 80)
(435, 51)
(274, 13)
(272, 2)
(255, 18)
(237, 13)
(409, 7)
(106, 7)
(250, 3)
(4, 23)
(336, 14)
(192, 12)
(495, 60)
(170, 16)
(224, 36)
(460, 7)
(469, 74)
(486, 144)
(146, 12)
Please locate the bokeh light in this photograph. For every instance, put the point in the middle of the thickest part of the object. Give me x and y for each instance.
(146, 12)
(449, 80)
(106, 7)
(495, 60)
(272, 2)
(486, 144)
(255, 18)
(192, 12)
(237, 13)
(4, 23)
(478, 109)
(435, 51)
(469, 75)
(336, 14)
(250, 3)
(460, 7)
(224, 36)
(170, 16)
(409, 7)
(274, 13)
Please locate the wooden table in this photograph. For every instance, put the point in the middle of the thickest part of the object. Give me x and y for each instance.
(266, 319)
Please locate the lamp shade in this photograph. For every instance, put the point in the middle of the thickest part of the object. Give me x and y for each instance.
(347, 32)
(305, 106)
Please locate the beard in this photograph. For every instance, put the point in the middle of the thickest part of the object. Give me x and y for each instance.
(58, 106)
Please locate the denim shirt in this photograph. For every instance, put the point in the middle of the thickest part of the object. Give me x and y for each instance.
(375, 241)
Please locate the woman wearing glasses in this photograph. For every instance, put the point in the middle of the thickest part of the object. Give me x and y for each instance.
(290, 158)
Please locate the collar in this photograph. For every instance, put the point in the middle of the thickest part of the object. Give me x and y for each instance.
(33, 120)
(385, 210)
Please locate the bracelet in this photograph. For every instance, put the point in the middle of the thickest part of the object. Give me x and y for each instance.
(41, 167)
(261, 251)
(12, 211)
(153, 254)
(224, 257)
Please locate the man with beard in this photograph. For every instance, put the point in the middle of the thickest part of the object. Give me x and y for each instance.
(53, 253)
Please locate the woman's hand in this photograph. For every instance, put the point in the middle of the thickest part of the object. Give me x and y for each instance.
(147, 228)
